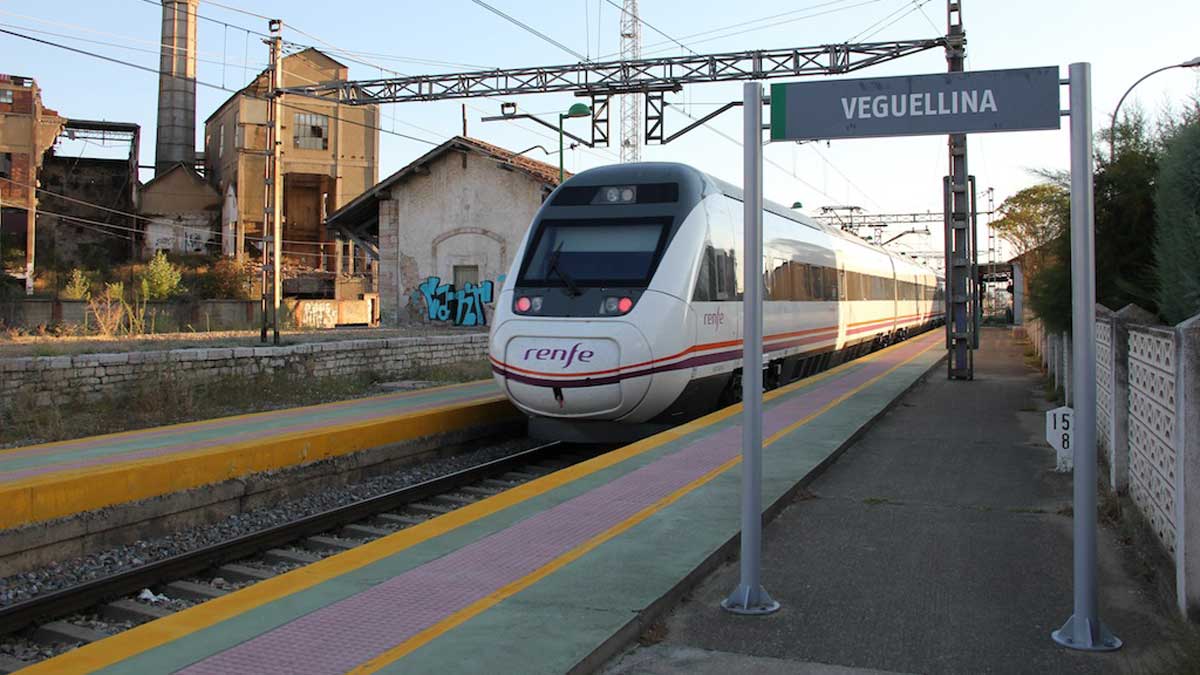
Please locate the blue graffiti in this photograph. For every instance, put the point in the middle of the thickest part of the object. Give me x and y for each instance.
(463, 307)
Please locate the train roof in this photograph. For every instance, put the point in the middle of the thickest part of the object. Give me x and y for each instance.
(694, 181)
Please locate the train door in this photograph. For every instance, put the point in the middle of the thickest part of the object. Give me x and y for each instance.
(845, 313)
(896, 284)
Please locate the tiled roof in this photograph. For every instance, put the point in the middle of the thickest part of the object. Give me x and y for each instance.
(362, 207)
(540, 170)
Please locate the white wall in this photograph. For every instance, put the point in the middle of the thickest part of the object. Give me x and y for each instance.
(451, 216)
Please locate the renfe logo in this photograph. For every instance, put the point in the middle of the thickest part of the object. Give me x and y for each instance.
(716, 318)
(557, 354)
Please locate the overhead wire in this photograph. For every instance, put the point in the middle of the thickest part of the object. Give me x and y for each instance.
(765, 159)
(127, 214)
(210, 85)
(114, 44)
(531, 30)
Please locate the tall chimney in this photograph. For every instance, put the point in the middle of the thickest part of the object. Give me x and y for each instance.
(176, 140)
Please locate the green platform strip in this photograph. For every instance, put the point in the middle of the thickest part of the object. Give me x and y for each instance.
(558, 634)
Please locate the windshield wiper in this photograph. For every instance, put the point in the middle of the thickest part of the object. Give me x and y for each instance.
(572, 288)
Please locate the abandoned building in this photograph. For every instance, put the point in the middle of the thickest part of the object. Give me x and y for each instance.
(458, 213)
(72, 229)
(330, 156)
(181, 212)
(27, 131)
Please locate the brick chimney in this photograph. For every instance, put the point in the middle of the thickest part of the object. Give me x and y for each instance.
(176, 139)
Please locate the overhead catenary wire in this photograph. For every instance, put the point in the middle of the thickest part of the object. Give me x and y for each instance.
(531, 30)
(103, 43)
(660, 47)
(767, 160)
(210, 85)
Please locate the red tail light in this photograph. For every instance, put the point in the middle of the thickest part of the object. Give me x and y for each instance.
(624, 305)
(522, 305)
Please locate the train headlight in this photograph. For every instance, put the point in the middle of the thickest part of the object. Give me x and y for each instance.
(618, 194)
(525, 305)
(614, 306)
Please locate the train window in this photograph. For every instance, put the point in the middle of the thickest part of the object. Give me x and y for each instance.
(726, 274)
(706, 279)
(830, 281)
(799, 280)
(613, 252)
(854, 286)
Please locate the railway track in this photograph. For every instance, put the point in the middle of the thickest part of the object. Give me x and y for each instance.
(66, 618)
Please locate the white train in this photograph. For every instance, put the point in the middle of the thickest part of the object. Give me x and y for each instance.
(622, 311)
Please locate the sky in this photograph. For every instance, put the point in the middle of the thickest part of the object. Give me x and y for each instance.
(1121, 40)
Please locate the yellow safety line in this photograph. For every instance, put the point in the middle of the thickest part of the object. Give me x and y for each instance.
(512, 588)
(479, 606)
(151, 635)
(55, 494)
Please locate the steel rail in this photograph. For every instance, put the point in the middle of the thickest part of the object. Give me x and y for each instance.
(62, 602)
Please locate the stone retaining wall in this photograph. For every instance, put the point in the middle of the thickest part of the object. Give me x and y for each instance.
(59, 380)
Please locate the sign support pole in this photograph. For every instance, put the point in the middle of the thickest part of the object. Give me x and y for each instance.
(1084, 630)
(750, 597)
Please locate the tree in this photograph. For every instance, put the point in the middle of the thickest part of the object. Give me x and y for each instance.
(1032, 218)
(1124, 208)
(161, 280)
(1177, 209)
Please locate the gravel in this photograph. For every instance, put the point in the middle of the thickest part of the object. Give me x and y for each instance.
(63, 574)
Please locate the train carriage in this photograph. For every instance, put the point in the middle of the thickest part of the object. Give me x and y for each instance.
(622, 314)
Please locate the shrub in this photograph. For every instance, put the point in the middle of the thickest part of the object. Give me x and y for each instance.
(1177, 240)
(227, 279)
(79, 287)
(161, 280)
(109, 308)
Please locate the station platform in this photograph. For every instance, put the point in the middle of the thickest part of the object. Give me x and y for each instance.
(39, 483)
(553, 575)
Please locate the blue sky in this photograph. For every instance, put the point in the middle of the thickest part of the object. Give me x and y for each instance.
(1122, 40)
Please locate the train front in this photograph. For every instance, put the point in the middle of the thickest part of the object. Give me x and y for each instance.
(579, 325)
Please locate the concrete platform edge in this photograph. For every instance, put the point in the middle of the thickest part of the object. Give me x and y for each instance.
(628, 633)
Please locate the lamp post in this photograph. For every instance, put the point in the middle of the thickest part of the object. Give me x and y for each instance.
(1112, 131)
(576, 110)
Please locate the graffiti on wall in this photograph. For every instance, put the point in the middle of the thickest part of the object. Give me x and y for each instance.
(463, 306)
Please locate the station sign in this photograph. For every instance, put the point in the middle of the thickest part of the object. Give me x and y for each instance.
(1019, 99)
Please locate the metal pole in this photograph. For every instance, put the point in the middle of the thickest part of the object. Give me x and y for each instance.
(560, 147)
(750, 597)
(276, 187)
(960, 317)
(35, 154)
(1084, 629)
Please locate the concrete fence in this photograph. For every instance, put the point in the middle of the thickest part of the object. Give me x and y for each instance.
(1147, 425)
(63, 380)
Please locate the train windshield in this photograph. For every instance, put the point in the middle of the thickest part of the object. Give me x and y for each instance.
(614, 252)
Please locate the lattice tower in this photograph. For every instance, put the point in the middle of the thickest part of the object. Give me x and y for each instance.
(631, 117)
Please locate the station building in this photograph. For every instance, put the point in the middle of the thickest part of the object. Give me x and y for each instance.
(458, 212)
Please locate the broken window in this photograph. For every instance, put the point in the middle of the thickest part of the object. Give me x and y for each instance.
(5, 165)
(6, 96)
(464, 274)
(311, 132)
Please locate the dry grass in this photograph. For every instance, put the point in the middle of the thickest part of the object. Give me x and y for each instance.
(15, 344)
